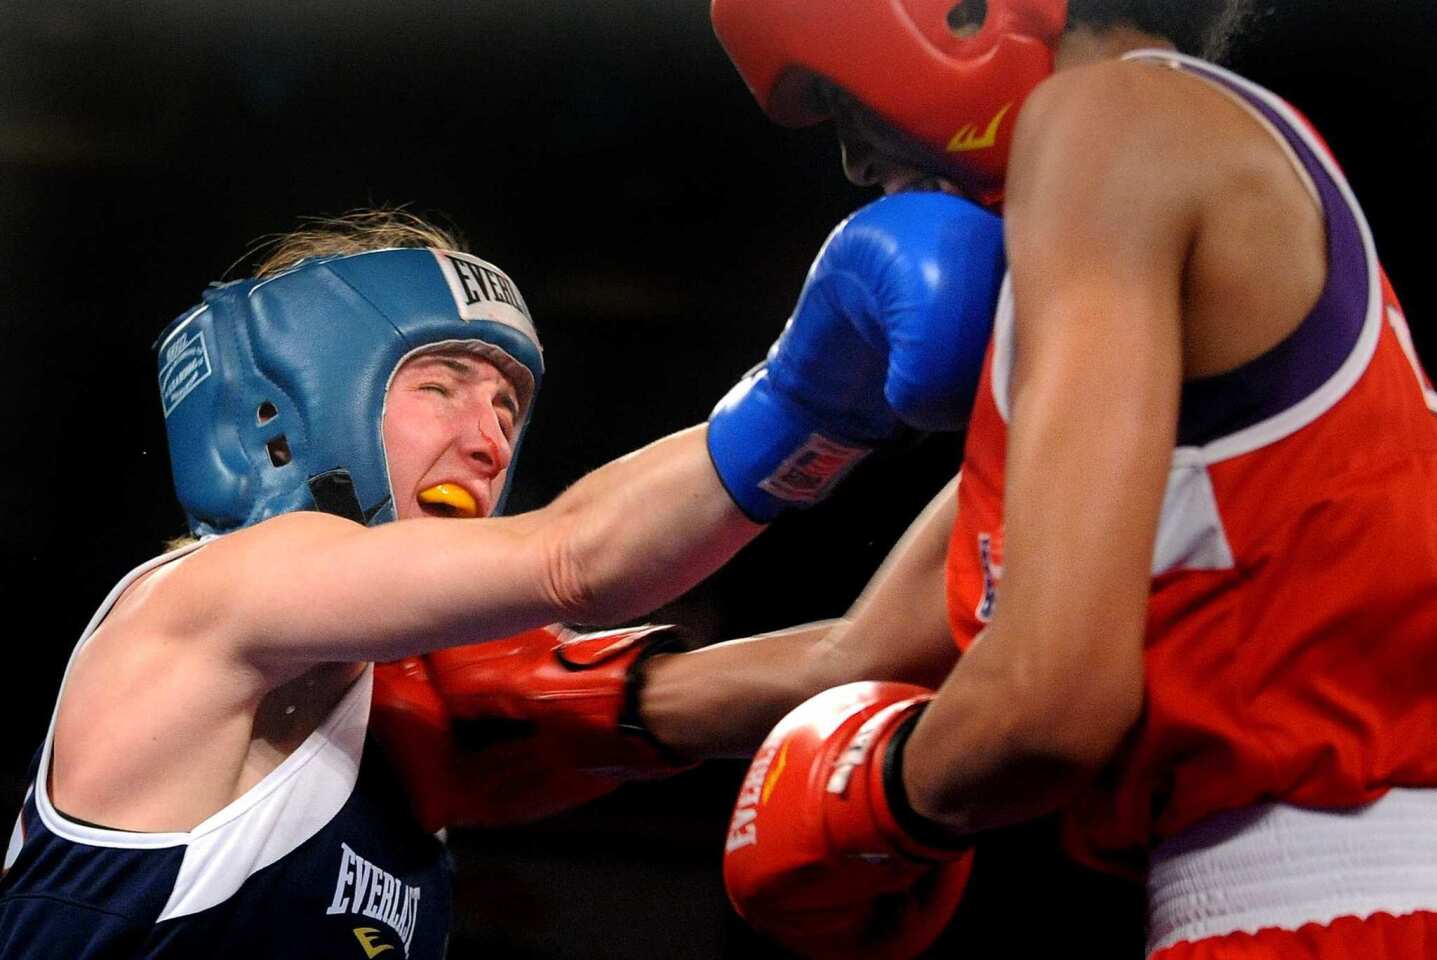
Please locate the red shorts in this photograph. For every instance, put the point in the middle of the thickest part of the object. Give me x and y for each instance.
(1381, 936)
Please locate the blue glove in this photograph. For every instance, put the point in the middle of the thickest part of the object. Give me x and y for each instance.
(890, 329)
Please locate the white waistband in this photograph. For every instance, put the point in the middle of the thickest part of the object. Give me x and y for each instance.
(1281, 866)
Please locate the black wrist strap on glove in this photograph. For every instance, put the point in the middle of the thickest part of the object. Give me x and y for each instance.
(630, 719)
(650, 640)
(927, 832)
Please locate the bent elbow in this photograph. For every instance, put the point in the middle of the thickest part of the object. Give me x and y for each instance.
(1086, 722)
(568, 578)
(584, 579)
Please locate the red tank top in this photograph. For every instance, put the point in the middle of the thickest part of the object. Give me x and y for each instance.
(1291, 646)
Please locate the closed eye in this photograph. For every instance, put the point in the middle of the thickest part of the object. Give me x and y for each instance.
(506, 402)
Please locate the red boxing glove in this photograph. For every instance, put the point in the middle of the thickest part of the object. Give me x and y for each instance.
(571, 699)
(815, 858)
(504, 784)
(411, 725)
(511, 731)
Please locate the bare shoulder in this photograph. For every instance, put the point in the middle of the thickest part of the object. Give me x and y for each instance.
(1103, 161)
(162, 721)
(1155, 123)
(1142, 173)
(201, 599)
(1110, 107)
(288, 531)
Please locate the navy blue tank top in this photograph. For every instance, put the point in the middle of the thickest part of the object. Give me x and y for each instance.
(321, 858)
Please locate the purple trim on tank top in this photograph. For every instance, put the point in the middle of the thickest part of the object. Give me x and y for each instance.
(1213, 407)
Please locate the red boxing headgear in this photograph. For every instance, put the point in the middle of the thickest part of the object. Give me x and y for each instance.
(957, 95)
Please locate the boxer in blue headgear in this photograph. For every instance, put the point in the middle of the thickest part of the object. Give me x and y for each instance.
(207, 786)
(203, 808)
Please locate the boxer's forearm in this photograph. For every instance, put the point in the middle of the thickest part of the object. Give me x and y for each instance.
(641, 530)
(721, 701)
(999, 746)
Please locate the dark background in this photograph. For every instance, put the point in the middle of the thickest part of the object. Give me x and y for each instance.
(609, 158)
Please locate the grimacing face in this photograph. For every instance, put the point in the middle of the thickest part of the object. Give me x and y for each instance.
(450, 421)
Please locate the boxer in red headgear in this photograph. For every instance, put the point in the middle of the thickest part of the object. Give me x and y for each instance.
(1194, 566)
(1204, 583)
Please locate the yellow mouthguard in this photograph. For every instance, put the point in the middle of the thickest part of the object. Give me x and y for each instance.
(454, 497)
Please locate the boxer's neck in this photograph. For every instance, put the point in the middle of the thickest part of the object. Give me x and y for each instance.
(1083, 44)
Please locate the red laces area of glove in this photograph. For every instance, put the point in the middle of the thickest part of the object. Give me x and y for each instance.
(585, 651)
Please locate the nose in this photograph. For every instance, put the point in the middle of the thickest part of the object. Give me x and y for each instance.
(859, 158)
(485, 444)
(864, 164)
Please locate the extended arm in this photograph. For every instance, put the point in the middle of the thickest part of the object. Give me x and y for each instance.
(567, 718)
(627, 537)
(722, 700)
(891, 324)
(859, 353)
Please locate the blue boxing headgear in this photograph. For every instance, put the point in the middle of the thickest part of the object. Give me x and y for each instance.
(274, 389)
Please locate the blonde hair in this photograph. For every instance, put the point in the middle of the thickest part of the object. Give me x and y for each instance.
(378, 228)
(175, 543)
